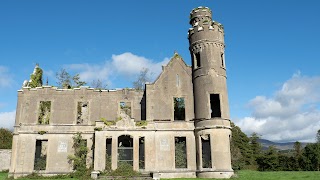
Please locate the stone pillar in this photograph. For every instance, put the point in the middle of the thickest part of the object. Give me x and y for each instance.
(99, 151)
(136, 153)
(114, 152)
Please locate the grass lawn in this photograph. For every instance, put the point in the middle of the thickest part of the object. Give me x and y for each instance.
(3, 176)
(278, 175)
(273, 175)
(248, 175)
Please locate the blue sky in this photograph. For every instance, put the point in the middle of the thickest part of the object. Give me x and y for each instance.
(272, 52)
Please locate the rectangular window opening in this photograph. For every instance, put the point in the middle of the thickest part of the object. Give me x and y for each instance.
(108, 154)
(44, 112)
(206, 151)
(180, 152)
(125, 109)
(198, 61)
(141, 153)
(40, 158)
(179, 108)
(215, 105)
(82, 112)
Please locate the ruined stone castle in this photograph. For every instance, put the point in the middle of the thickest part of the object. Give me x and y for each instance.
(179, 126)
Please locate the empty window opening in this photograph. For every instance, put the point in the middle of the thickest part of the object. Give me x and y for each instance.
(222, 60)
(44, 112)
(215, 105)
(197, 59)
(40, 158)
(83, 112)
(108, 154)
(179, 108)
(141, 153)
(125, 110)
(180, 152)
(206, 151)
(177, 80)
(125, 150)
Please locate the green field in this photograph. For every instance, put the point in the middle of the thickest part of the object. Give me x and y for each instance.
(252, 175)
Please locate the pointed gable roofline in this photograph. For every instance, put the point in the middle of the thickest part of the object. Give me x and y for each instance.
(175, 58)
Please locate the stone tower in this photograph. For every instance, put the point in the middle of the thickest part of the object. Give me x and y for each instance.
(212, 121)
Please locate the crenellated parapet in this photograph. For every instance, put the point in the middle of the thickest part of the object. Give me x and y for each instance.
(204, 28)
(82, 88)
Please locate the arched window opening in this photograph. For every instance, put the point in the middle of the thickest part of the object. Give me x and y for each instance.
(125, 150)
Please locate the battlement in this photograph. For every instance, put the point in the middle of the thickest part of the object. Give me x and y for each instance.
(85, 88)
(200, 14)
(206, 26)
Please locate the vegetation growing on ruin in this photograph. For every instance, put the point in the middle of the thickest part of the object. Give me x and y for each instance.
(44, 112)
(141, 123)
(36, 78)
(143, 77)
(98, 128)
(66, 81)
(78, 159)
(42, 132)
(108, 123)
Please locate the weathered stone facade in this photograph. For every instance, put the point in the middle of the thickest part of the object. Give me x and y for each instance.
(5, 158)
(177, 127)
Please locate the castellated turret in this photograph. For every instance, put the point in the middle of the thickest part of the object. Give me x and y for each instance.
(212, 119)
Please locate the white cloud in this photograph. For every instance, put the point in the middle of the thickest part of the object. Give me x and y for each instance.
(122, 65)
(291, 114)
(6, 79)
(130, 64)
(7, 119)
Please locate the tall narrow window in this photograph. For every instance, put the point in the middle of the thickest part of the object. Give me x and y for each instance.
(125, 109)
(177, 80)
(180, 152)
(198, 61)
(222, 60)
(125, 150)
(179, 108)
(215, 105)
(40, 158)
(141, 153)
(206, 151)
(108, 153)
(44, 112)
(83, 113)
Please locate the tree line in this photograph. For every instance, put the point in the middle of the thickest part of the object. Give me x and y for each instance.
(247, 153)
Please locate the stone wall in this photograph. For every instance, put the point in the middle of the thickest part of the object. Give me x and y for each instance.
(5, 157)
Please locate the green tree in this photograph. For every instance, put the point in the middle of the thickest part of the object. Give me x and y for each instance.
(255, 146)
(66, 81)
(240, 149)
(5, 138)
(311, 157)
(297, 156)
(36, 77)
(318, 136)
(268, 161)
(142, 79)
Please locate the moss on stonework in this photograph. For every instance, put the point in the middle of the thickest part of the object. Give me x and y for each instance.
(108, 123)
(142, 123)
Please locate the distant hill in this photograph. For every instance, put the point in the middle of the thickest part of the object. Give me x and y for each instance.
(281, 146)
